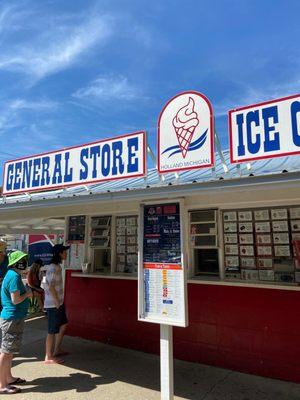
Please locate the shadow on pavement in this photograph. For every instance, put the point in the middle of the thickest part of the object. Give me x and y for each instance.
(79, 382)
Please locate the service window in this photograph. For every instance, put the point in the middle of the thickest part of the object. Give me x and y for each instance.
(126, 244)
(258, 244)
(204, 242)
(100, 244)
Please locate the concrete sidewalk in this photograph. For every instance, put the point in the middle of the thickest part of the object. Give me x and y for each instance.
(95, 371)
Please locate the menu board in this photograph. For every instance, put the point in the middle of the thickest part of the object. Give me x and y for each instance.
(76, 228)
(76, 255)
(126, 238)
(258, 243)
(162, 271)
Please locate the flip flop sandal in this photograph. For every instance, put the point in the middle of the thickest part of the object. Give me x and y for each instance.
(18, 381)
(10, 390)
(54, 361)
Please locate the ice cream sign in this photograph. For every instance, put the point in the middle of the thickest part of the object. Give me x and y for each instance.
(186, 133)
(265, 130)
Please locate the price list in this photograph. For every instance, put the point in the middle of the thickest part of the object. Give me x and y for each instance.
(164, 287)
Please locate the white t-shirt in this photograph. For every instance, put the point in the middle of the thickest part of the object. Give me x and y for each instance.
(54, 277)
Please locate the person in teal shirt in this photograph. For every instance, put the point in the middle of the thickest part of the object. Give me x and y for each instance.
(3, 264)
(15, 303)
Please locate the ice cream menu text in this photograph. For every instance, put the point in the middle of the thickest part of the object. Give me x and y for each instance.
(162, 265)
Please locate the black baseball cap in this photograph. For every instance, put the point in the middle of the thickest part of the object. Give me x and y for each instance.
(59, 248)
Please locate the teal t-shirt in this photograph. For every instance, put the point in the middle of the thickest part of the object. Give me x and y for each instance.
(11, 283)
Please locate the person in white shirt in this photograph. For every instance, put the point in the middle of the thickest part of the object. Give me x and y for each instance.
(54, 306)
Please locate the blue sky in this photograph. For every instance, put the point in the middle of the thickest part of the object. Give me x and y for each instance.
(76, 71)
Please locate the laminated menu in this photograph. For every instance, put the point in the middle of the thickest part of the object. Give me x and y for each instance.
(245, 215)
(245, 227)
(262, 227)
(261, 215)
(246, 250)
(231, 238)
(266, 275)
(246, 238)
(264, 250)
(295, 225)
(121, 221)
(282, 251)
(279, 213)
(231, 249)
(263, 239)
(248, 262)
(281, 238)
(266, 263)
(229, 216)
(249, 275)
(232, 261)
(280, 226)
(295, 213)
(230, 227)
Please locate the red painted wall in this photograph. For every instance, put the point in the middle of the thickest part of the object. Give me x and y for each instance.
(245, 329)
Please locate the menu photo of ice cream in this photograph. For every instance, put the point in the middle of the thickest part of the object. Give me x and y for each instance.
(245, 227)
(263, 239)
(295, 225)
(230, 216)
(279, 213)
(263, 227)
(295, 213)
(246, 238)
(231, 238)
(281, 226)
(230, 227)
(261, 215)
(245, 215)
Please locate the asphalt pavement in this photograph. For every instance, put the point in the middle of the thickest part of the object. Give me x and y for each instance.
(95, 371)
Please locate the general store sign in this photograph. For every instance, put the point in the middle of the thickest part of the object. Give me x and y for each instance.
(185, 133)
(265, 130)
(117, 158)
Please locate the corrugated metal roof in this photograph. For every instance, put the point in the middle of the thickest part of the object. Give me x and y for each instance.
(222, 170)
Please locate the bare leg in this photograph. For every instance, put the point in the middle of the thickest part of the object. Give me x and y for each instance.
(5, 369)
(49, 346)
(58, 339)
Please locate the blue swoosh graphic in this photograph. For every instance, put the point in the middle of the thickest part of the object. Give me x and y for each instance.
(193, 146)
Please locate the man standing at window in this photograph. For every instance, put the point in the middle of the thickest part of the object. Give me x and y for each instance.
(54, 305)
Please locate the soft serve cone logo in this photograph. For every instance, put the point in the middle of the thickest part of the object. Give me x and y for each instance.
(185, 133)
(185, 123)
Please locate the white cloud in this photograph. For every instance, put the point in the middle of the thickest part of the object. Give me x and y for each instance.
(108, 88)
(53, 44)
(251, 95)
(11, 111)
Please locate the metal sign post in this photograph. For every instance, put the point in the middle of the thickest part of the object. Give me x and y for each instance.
(166, 362)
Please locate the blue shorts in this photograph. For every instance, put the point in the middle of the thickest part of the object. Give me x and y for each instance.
(56, 318)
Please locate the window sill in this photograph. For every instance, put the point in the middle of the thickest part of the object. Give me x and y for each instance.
(103, 276)
(209, 281)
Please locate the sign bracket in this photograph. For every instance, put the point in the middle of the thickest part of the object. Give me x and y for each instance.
(221, 155)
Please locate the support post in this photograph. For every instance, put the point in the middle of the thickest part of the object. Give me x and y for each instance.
(166, 362)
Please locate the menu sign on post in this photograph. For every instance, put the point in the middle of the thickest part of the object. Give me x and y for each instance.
(162, 276)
